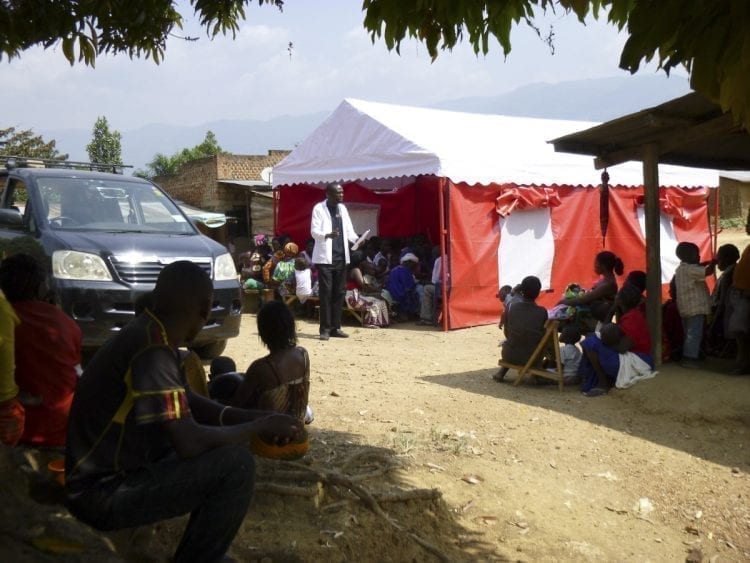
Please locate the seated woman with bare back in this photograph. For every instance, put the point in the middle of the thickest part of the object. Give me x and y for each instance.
(280, 381)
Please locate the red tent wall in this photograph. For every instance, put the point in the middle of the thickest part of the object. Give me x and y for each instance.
(405, 211)
(474, 234)
(474, 237)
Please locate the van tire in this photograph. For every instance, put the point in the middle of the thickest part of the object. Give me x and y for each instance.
(210, 351)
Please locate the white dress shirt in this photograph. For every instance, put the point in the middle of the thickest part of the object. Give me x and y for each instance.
(322, 224)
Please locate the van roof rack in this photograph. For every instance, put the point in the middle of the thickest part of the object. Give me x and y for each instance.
(11, 162)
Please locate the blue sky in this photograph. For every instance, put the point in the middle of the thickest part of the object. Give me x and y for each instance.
(253, 76)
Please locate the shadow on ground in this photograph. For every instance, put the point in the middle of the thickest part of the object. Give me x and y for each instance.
(705, 414)
(344, 501)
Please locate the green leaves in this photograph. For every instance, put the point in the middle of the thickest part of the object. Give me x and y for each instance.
(86, 29)
(24, 142)
(162, 165)
(441, 24)
(709, 38)
(105, 146)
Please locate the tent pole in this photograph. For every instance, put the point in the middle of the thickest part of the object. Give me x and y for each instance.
(444, 263)
(653, 250)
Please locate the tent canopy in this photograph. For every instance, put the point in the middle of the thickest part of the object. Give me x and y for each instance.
(364, 140)
(422, 167)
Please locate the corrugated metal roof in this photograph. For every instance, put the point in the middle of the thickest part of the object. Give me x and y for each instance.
(687, 131)
(246, 183)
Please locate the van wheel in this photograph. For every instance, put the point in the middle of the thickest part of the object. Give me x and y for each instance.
(210, 351)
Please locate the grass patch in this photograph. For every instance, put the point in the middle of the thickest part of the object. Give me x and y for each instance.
(732, 222)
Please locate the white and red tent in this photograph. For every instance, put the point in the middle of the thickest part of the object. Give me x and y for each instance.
(507, 204)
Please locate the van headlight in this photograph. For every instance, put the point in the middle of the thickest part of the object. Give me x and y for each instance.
(73, 265)
(224, 268)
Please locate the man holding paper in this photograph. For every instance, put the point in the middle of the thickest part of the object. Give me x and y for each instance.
(332, 230)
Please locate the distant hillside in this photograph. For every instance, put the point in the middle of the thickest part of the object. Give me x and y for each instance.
(586, 100)
(582, 100)
(241, 136)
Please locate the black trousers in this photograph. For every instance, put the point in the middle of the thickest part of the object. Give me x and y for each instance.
(215, 487)
(331, 291)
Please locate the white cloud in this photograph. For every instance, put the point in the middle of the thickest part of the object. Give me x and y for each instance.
(253, 75)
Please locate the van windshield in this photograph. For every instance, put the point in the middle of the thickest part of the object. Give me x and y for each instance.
(109, 205)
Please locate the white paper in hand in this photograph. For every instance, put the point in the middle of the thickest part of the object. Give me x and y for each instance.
(360, 240)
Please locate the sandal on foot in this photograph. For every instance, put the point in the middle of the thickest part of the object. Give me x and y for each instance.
(499, 375)
(595, 392)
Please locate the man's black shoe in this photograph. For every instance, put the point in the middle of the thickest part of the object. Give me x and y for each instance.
(338, 333)
(324, 335)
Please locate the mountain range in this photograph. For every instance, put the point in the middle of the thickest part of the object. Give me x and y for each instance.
(585, 100)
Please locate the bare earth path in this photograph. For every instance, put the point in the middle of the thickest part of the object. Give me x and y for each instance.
(659, 472)
(526, 472)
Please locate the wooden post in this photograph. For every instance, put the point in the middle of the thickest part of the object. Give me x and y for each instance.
(653, 248)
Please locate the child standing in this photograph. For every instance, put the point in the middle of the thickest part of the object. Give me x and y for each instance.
(726, 259)
(693, 301)
(303, 287)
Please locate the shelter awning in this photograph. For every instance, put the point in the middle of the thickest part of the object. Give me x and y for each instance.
(364, 140)
(687, 131)
(254, 184)
(690, 131)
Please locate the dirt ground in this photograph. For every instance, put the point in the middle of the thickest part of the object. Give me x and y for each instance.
(418, 455)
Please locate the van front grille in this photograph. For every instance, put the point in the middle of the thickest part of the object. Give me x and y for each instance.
(146, 271)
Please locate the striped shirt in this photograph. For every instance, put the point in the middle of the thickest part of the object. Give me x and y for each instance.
(692, 292)
(132, 385)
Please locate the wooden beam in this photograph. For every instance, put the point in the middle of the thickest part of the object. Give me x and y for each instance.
(672, 140)
(618, 157)
(655, 120)
(650, 157)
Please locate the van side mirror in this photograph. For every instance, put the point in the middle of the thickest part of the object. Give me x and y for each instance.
(11, 219)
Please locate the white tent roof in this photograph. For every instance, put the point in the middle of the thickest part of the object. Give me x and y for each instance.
(364, 140)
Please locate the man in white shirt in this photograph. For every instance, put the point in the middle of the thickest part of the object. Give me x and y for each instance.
(332, 230)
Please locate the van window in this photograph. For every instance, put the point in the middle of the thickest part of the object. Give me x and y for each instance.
(110, 205)
(19, 200)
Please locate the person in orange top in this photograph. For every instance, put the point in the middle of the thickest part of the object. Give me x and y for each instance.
(739, 301)
(47, 350)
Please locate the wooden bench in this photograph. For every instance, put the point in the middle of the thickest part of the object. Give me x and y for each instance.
(316, 301)
(549, 340)
(354, 313)
(313, 301)
(252, 299)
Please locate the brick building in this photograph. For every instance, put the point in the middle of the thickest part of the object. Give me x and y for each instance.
(734, 195)
(233, 184)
